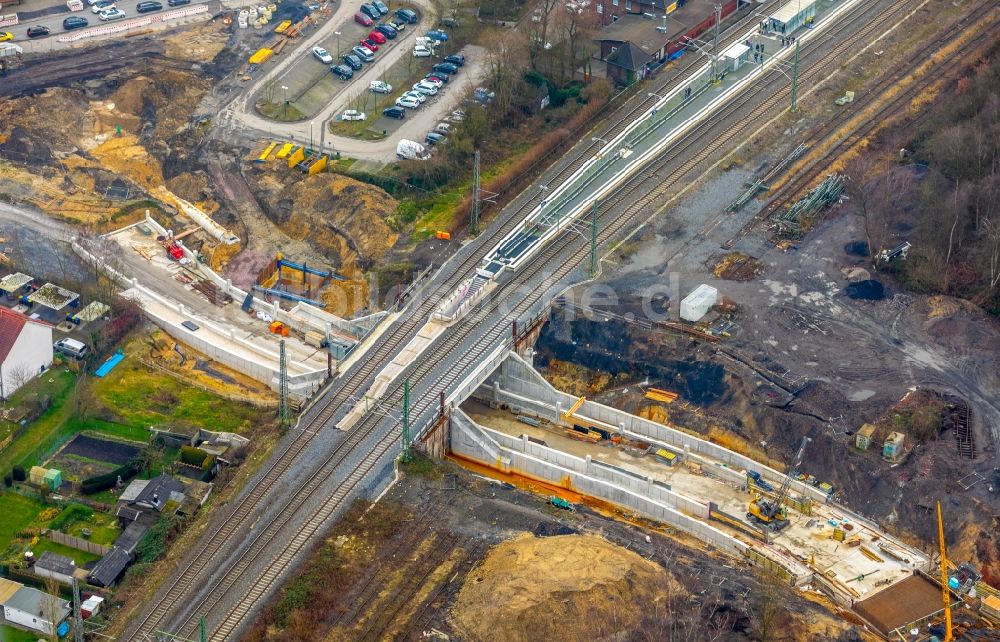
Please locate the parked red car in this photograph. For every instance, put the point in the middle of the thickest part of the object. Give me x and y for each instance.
(368, 42)
(377, 37)
(362, 19)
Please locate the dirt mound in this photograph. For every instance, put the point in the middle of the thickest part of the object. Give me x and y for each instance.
(566, 587)
(737, 266)
(343, 218)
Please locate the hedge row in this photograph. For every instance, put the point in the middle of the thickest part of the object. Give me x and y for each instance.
(98, 483)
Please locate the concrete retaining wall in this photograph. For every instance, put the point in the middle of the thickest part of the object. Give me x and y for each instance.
(517, 383)
(261, 365)
(506, 453)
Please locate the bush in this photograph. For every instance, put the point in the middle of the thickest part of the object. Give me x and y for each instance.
(8, 481)
(194, 456)
(98, 483)
(19, 474)
(69, 515)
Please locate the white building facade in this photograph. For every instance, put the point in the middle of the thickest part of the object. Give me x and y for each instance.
(25, 350)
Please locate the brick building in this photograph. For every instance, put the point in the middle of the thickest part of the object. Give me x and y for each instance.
(642, 35)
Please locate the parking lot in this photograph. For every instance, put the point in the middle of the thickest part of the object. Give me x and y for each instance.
(308, 84)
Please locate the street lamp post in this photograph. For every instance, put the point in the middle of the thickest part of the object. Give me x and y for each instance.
(284, 91)
(338, 34)
(311, 123)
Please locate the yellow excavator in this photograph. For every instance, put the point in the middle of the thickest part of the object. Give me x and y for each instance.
(772, 513)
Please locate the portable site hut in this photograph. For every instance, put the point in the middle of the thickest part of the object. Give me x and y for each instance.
(863, 438)
(893, 446)
(697, 304)
(791, 16)
(736, 55)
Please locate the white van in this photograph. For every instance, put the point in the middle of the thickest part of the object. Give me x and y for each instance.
(71, 348)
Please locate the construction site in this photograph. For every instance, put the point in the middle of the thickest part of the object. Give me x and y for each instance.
(704, 372)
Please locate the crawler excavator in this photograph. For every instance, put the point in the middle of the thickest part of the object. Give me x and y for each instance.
(772, 513)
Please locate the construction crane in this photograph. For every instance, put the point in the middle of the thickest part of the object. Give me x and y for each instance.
(772, 512)
(945, 596)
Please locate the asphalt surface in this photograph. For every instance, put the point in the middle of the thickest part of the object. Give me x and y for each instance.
(240, 115)
(54, 21)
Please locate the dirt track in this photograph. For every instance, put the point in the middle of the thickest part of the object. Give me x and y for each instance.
(77, 66)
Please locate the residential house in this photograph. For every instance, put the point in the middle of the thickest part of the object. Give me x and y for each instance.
(35, 610)
(58, 567)
(25, 350)
(153, 494)
(131, 536)
(109, 568)
(654, 35)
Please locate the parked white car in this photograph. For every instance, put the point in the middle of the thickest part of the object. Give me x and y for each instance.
(103, 5)
(408, 102)
(443, 128)
(323, 55)
(416, 95)
(426, 88)
(112, 14)
(380, 87)
(421, 52)
(353, 114)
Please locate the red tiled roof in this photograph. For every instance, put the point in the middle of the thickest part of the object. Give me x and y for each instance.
(11, 324)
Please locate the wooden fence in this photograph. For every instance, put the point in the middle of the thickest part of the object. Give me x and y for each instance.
(77, 543)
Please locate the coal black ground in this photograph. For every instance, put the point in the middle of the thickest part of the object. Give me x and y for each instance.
(856, 248)
(602, 346)
(114, 452)
(868, 290)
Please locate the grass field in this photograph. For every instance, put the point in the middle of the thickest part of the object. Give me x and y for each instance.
(140, 398)
(80, 557)
(19, 512)
(58, 385)
(10, 634)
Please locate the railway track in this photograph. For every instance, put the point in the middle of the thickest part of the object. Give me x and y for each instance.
(807, 175)
(226, 534)
(638, 192)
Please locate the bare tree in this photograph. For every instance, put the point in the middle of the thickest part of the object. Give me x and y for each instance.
(538, 30)
(991, 232)
(505, 62)
(578, 23)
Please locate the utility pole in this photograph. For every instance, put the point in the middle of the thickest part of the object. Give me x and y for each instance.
(283, 412)
(715, 44)
(474, 214)
(406, 420)
(593, 237)
(77, 617)
(795, 79)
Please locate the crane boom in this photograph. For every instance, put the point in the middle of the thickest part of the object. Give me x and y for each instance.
(786, 483)
(944, 578)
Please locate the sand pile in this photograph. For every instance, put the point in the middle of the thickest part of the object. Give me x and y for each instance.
(567, 587)
(341, 217)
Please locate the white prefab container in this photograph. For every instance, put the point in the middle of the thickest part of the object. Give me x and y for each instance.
(697, 304)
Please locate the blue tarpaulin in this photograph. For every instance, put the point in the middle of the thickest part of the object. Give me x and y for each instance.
(109, 364)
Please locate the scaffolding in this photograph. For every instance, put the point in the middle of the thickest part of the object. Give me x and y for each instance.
(820, 197)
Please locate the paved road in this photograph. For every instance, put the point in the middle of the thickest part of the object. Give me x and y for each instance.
(54, 22)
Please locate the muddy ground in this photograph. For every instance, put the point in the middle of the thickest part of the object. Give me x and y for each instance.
(447, 554)
(797, 324)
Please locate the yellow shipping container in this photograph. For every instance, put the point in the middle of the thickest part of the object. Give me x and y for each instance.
(262, 56)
